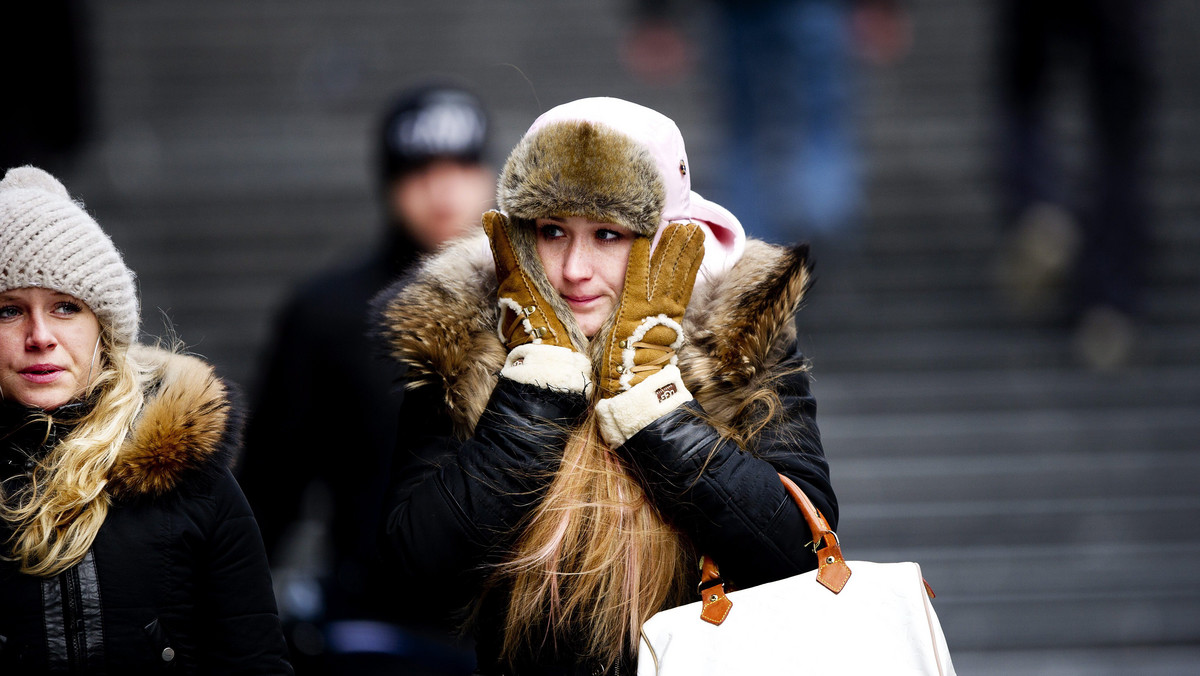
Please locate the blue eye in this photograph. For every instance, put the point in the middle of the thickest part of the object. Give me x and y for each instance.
(66, 307)
(550, 231)
(9, 311)
(605, 234)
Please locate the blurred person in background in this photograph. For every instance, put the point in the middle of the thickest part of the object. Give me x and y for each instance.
(791, 164)
(326, 411)
(48, 122)
(602, 385)
(1090, 236)
(128, 547)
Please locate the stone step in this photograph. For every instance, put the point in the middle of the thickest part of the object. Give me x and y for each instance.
(1004, 389)
(989, 433)
(981, 591)
(915, 350)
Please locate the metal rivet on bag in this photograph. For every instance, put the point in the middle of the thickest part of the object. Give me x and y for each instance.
(530, 310)
(624, 344)
(168, 654)
(830, 560)
(713, 598)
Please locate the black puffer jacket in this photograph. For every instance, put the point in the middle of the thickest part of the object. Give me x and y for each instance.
(482, 440)
(176, 580)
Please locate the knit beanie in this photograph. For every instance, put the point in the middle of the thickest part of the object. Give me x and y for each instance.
(49, 241)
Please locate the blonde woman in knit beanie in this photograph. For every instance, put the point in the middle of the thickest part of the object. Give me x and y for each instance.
(126, 547)
(603, 385)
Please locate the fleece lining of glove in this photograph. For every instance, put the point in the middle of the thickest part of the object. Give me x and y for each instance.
(628, 413)
(549, 366)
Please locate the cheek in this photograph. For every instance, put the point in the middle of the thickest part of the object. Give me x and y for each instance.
(615, 268)
(10, 346)
(85, 343)
(551, 261)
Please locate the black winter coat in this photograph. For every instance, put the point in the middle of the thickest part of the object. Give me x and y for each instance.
(482, 439)
(302, 412)
(176, 580)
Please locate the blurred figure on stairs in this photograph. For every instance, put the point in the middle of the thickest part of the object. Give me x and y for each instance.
(1091, 242)
(788, 102)
(323, 431)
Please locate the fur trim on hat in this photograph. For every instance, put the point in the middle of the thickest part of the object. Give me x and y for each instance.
(576, 168)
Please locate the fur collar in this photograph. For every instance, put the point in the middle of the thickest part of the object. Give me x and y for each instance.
(440, 322)
(186, 427)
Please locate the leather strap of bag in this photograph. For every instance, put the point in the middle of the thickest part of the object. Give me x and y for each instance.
(832, 571)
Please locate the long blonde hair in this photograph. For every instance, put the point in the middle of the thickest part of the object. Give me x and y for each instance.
(595, 559)
(55, 517)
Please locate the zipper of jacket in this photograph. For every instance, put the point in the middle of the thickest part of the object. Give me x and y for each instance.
(72, 618)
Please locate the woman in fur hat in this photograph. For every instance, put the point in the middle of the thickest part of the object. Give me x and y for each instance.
(607, 391)
(127, 547)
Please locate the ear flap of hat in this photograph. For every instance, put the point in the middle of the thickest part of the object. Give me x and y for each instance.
(523, 235)
(578, 168)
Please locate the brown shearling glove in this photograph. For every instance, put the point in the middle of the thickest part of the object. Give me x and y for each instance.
(525, 316)
(647, 328)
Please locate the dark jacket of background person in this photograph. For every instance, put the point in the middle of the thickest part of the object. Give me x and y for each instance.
(326, 411)
(176, 579)
(324, 386)
(485, 444)
(53, 83)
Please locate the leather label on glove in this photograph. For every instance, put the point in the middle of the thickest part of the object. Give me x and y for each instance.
(666, 392)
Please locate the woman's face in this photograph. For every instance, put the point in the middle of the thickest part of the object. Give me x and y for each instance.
(47, 343)
(585, 261)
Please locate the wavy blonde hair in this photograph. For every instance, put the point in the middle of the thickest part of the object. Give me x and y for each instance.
(595, 559)
(56, 515)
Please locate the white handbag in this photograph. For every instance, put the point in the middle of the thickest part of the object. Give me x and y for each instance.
(877, 620)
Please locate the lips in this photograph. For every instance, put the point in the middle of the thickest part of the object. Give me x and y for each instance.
(580, 300)
(41, 373)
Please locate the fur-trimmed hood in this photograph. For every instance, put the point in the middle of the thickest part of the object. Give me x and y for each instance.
(440, 322)
(187, 427)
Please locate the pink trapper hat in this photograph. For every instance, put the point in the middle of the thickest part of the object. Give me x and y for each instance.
(725, 239)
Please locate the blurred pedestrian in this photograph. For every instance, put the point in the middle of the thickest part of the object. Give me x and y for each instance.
(607, 391)
(48, 113)
(1089, 234)
(128, 546)
(788, 102)
(326, 412)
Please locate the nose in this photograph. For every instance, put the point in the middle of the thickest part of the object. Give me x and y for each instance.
(38, 335)
(577, 265)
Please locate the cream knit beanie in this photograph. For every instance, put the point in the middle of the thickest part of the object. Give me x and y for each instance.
(49, 241)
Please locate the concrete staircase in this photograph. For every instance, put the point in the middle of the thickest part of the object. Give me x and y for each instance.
(1054, 510)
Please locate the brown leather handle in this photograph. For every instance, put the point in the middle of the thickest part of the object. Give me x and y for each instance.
(816, 521)
(832, 571)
